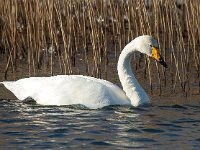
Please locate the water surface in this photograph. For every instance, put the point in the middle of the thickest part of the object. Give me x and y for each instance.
(32, 126)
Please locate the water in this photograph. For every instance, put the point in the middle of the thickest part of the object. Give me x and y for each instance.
(31, 126)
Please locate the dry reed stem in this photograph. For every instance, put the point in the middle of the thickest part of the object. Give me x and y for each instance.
(31, 29)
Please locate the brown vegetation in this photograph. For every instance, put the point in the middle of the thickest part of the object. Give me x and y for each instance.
(86, 37)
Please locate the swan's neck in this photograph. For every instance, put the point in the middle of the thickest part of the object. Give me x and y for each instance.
(130, 85)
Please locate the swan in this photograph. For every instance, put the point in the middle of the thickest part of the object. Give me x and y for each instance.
(89, 91)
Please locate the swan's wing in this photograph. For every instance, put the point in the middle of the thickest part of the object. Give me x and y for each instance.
(98, 91)
(113, 90)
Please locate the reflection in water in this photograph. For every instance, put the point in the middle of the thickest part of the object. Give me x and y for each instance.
(33, 126)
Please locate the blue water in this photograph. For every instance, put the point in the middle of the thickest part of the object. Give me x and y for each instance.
(31, 126)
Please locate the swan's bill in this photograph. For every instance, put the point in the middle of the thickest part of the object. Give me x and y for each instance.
(156, 55)
(162, 62)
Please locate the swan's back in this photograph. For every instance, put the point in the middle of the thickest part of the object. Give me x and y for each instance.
(67, 90)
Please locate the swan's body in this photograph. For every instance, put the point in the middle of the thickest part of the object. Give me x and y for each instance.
(69, 89)
(91, 92)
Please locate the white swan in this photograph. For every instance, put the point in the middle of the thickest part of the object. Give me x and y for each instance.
(92, 92)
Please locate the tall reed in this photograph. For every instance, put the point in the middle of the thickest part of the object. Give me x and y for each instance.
(86, 36)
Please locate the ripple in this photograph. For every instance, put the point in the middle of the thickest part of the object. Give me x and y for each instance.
(101, 143)
(13, 133)
(197, 140)
(133, 131)
(55, 135)
(179, 107)
(172, 135)
(18, 142)
(30, 126)
(61, 131)
(84, 139)
(164, 124)
(145, 140)
(186, 120)
(153, 130)
(173, 106)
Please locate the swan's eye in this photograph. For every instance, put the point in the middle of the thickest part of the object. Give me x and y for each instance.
(152, 46)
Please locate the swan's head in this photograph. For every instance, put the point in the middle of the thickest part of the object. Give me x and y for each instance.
(148, 45)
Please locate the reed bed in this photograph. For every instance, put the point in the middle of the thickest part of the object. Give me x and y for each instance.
(87, 36)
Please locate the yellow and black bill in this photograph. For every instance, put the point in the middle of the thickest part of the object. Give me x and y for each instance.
(156, 55)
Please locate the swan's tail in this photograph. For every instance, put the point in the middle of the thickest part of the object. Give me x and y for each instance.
(7, 84)
(15, 89)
